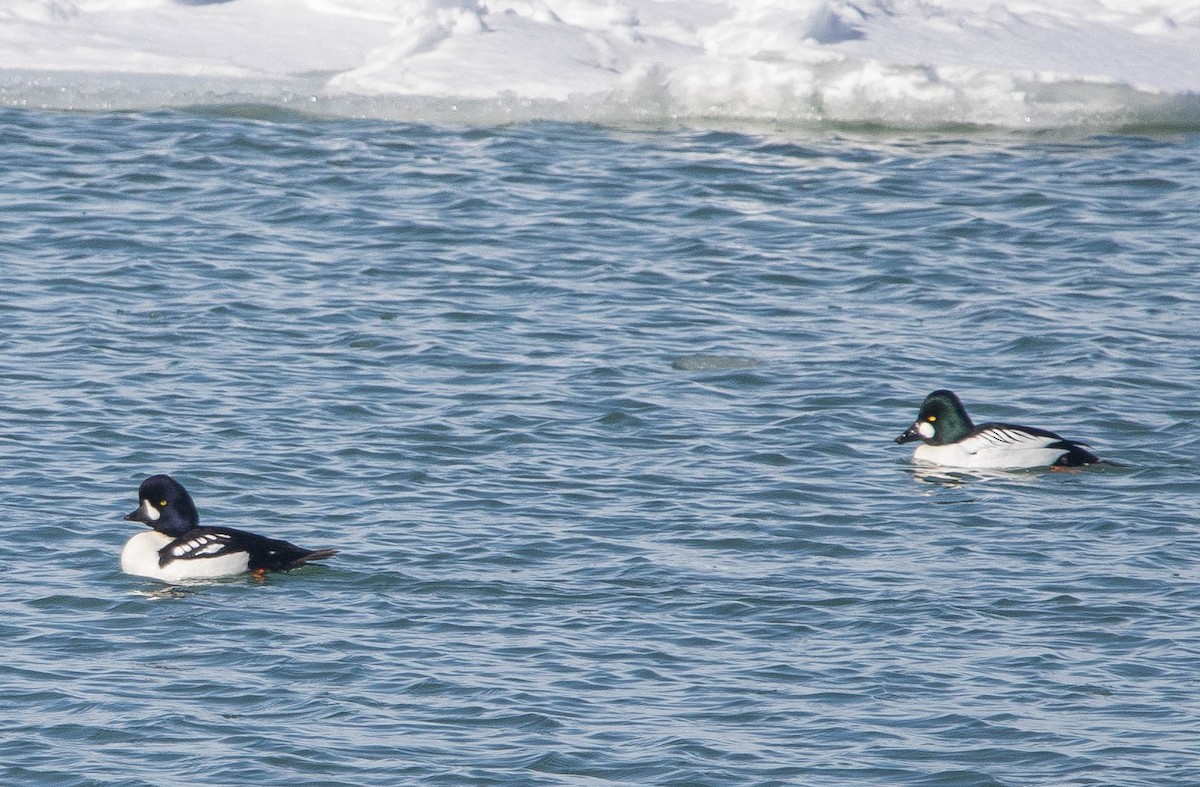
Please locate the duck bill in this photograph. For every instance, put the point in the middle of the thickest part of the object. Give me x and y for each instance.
(144, 514)
(912, 434)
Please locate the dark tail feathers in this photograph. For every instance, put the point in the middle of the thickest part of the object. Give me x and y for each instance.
(284, 556)
(1076, 455)
(309, 555)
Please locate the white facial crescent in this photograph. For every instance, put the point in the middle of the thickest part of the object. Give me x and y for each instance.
(149, 511)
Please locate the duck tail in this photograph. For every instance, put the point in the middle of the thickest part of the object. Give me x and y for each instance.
(320, 554)
(285, 557)
(310, 555)
(1076, 455)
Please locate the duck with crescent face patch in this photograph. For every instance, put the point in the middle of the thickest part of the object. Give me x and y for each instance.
(177, 548)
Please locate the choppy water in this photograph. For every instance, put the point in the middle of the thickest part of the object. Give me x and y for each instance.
(602, 423)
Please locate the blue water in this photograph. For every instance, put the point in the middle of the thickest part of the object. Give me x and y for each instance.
(601, 421)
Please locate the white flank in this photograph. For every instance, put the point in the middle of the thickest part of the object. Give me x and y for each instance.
(140, 558)
(1000, 450)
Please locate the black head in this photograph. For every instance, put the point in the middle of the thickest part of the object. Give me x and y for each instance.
(166, 506)
(942, 419)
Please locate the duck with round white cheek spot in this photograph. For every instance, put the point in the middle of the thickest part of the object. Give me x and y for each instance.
(177, 548)
(950, 439)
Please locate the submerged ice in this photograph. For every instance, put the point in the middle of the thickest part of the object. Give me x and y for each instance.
(906, 63)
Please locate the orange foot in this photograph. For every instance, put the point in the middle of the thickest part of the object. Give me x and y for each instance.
(1063, 469)
(259, 574)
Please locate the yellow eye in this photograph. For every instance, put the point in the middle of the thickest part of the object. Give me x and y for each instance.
(932, 418)
(162, 503)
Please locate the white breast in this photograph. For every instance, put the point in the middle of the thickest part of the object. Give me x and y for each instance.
(140, 558)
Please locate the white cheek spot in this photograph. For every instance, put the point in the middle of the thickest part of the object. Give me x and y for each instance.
(149, 511)
(925, 429)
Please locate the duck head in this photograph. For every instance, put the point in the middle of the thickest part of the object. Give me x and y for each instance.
(166, 506)
(942, 420)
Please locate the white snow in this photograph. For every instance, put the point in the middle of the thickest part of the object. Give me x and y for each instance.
(907, 63)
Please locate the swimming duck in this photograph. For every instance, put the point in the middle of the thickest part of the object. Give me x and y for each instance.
(176, 547)
(952, 440)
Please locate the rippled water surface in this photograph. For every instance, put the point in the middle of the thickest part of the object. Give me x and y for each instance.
(601, 422)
